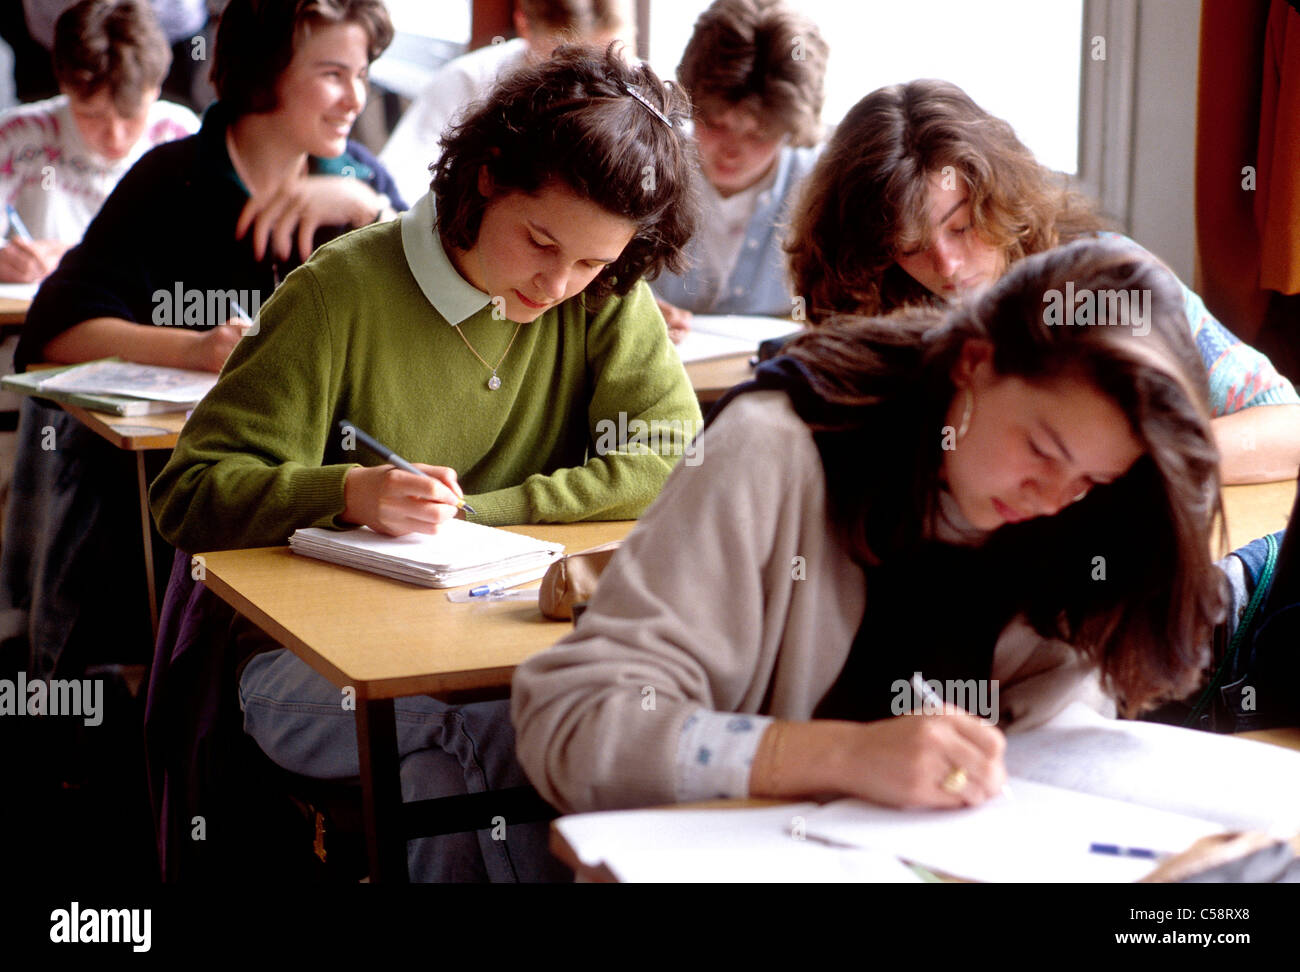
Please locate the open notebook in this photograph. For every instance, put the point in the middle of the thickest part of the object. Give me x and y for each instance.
(1077, 780)
(115, 386)
(1082, 779)
(720, 336)
(459, 553)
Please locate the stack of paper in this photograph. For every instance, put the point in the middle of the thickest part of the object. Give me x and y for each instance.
(459, 553)
(19, 291)
(722, 336)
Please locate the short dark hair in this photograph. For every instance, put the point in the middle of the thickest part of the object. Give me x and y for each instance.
(112, 44)
(256, 40)
(763, 56)
(572, 119)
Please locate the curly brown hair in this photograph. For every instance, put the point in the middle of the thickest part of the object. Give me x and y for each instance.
(887, 382)
(763, 56)
(867, 198)
(574, 119)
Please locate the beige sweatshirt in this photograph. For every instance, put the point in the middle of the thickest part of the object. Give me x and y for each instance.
(707, 604)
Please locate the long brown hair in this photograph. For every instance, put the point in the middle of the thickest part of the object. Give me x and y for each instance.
(885, 385)
(867, 198)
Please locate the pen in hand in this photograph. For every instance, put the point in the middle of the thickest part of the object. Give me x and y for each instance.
(381, 450)
(17, 228)
(929, 695)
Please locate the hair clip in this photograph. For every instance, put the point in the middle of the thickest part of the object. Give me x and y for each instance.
(646, 101)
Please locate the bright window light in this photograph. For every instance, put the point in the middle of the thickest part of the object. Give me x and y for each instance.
(1019, 59)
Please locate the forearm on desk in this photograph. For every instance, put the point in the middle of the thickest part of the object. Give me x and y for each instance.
(106, 337)
(1260, 444)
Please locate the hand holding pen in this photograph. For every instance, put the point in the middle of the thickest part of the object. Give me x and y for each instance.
(23, 259)
(400, 498)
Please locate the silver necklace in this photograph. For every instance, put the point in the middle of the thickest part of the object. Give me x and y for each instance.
(493, 382)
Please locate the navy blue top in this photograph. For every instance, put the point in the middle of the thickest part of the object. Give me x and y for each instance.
(169, 227)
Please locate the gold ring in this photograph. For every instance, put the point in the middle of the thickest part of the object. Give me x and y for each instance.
(954, 782)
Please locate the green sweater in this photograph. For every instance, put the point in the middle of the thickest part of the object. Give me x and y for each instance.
(352, 335)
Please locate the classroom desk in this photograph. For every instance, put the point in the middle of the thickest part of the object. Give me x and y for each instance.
(137, 434)
(601, 874)
(387, 639)
(1256, 510)
(712, 378)
(13, 312)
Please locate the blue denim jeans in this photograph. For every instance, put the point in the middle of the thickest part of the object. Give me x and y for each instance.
(298, 719)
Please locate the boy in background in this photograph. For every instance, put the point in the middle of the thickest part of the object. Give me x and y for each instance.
(60, 158)
(755, 71)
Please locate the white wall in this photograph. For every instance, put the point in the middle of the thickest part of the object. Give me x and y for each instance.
(1161, 178)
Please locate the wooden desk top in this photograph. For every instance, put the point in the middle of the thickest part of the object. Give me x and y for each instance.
(13, 310)
(711, 379)
(133, 433)
(1255, 510)
(386, 638)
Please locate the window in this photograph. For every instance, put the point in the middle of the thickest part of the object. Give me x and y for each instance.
(1019, 59)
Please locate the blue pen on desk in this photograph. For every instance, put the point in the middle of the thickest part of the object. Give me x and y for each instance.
(483, 590)
(1116, 850)
(929, 695)
(381, 450)
(16, 225)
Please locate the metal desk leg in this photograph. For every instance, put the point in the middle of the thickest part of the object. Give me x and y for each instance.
(381, 791)
(146, 525)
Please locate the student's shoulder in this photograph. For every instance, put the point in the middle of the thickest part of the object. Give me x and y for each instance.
(37, 119)
(804, 157)
(163, 165)
(481, 67)
(763, 412)
(169, 121)
(756, 425)
(362, 260)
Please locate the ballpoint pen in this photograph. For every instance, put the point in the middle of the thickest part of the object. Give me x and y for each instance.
(379, 449)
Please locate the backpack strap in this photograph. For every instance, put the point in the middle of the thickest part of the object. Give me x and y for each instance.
(1262, 585)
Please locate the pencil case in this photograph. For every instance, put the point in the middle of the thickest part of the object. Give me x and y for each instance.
(572, 580)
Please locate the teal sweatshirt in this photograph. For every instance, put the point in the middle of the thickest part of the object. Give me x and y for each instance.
(363, 331)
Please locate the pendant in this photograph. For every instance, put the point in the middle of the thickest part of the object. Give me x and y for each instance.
(494, 382)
